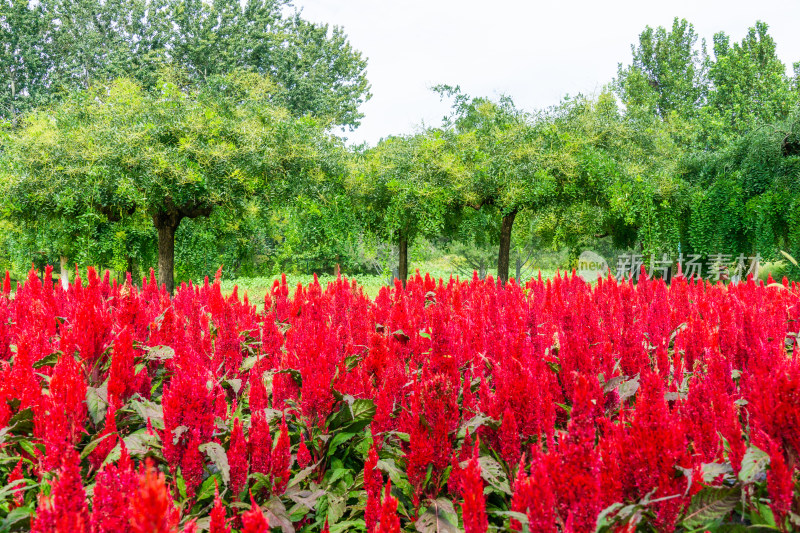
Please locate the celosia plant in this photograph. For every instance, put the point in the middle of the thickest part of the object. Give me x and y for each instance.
(438, 406)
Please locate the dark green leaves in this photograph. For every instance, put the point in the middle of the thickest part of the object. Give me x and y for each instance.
(439, 517)
(353, 416)
(710, 505)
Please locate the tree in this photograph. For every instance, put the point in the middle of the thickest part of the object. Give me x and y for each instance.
(507, 160)
(52, 47)
(750, 85)
(625, 183)
(403, 187)
(668, 73)
(314, 65)
(745, 193)
(122, 151)
(22, 58)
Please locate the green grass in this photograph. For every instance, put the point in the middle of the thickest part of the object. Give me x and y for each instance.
(256, 288)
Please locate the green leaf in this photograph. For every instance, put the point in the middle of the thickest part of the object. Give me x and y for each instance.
(437, 517)
(216, 453)
(628, 388)
(22, 422)
(336, 507)
(608, 517)
(16, 518)
(398, 477)
(475, 422)
(337, 474)
(303, 474)
(522, 518)
(13, 487)
(763, 516)
(234, 383)
(208, 488)
(89, 448)
(352, 361)
(353, 416)
(400, 335)
(248, 363)
(306, 498)
(148, 410)
(97, 402)
(180, 482)
(754, 465)
(712, 471)
(710, 505)
(492, 472)
(613, 383)
(140, 443)
(348, 525)
(114, 455)
(339, 438)
(159, 353)
(363, 411)
(177, 433)
(48, 360)
(30, 448)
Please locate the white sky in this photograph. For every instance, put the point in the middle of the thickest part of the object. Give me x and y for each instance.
(536, 52)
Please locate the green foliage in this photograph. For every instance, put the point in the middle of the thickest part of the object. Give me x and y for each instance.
(121, 155)
(53, 47)
(319, 233)
(668, 73)
(404, 185)
(222, 109)
(750, 85)
(743, 199)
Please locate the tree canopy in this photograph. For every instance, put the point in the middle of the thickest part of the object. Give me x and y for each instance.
(131, 127)
(121, 151)
(52, 47)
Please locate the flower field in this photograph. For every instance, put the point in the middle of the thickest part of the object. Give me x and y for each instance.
(441, 406)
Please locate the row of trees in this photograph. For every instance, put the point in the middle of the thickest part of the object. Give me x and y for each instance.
(53, 47)
(230, 147)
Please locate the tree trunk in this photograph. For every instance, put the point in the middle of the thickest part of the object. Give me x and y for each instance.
(64, 272)
(166, 224)
(505, 246)
(403, 266)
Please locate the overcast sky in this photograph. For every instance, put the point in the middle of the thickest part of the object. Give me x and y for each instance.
(536, 52)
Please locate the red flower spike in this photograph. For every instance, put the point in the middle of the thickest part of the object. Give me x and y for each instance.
(114, 492)
(153, 510)
(259, 444)
(389, 521)
(66, 509)
(218, 522)
(474, 505)
(254, 521)
(303, 455)
(281, 459)
(237, 458)
(373, 481)
(19, 494)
